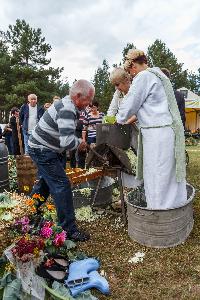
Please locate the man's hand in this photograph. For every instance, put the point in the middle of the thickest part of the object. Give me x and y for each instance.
(82, 147)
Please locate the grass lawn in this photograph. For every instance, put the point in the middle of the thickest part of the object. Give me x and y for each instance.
(165, 273)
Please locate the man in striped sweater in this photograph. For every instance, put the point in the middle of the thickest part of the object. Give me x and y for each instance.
(55, 133)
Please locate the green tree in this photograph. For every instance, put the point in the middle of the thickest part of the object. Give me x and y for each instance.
(5, 70)
(29, 67)
(194, 79)
(103, 88)
(126, 49)
(28, 47)
(160, 56)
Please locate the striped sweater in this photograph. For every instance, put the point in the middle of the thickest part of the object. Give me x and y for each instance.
(56, 128)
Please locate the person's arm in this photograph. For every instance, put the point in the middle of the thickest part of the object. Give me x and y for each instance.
(66, 126)
(85, 127)
(21, 114)
(131, 120)
(114, 105)
(136, 96)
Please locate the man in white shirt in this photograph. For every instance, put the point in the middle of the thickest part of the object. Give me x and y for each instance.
(30, 114)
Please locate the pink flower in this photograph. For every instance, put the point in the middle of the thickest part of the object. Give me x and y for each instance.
(46, 232)
(48, 224)
(59, 239)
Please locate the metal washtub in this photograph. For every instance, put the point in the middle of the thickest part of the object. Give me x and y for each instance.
(159, 228)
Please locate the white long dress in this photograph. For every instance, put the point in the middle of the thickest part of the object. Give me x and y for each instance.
(147, 99)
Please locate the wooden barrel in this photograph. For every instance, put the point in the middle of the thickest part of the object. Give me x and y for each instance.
(26, 173)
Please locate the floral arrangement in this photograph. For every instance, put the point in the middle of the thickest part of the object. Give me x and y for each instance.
(54, 236)
(28, 248)
(22, 225)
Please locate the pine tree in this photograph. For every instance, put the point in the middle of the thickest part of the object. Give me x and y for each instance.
(160, 56)
(103, 88)
(29, 67)
(126, 49)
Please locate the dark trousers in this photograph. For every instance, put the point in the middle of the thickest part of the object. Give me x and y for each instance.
(80, 156)
(53, 180)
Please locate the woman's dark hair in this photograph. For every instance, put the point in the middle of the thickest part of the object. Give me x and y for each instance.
(13, 110)
(94, 103)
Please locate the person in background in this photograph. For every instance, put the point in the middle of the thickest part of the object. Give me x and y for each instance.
(47, 105)
(0, 132)
(30, 114)
(55, 133)
(90, 121)
(56, 98)
(15, 134)
(179, 98)
(7, 134)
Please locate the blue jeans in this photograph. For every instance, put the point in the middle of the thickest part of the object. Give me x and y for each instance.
(26, 137)
(53, 180)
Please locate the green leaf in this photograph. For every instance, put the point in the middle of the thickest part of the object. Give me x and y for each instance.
(12, 290)
(6, 217)
(69, 244)
(6, 279)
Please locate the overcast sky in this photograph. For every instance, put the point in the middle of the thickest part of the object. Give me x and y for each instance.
(84, 32)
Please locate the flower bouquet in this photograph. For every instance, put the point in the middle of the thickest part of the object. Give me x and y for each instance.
(54, 237)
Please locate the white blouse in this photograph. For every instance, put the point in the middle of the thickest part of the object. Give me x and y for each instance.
(115, 103)
(147, 100)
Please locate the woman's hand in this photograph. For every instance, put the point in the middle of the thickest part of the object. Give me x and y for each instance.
(131, 120)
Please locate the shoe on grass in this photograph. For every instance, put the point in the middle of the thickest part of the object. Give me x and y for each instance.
(79, 236)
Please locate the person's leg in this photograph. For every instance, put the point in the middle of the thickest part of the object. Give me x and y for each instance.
(73, 159)
(81, 159)
(26, 137)
(53, 175)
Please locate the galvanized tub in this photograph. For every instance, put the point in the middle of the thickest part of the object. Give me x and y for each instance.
(159, 228)
(103, 197)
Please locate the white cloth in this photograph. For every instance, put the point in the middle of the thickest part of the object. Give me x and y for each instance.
(32, 120)
(147, 99)
(115, 103)
(162, 191)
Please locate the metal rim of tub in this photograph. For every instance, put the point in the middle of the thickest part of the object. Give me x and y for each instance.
(149, 209)
(161, 228)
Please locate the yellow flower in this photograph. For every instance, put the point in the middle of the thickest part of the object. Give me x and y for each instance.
(41, 198)
(36, 252)
(26, 188)
(30, 202)
(9, 267)
(50, 207)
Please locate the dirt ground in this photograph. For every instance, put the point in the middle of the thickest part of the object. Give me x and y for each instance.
(172, 273)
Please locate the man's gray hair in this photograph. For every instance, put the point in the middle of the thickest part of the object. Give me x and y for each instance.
(32, 96)
(82, 87)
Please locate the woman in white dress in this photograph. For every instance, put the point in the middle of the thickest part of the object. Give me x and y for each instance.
(122, 81)
(161, 147)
